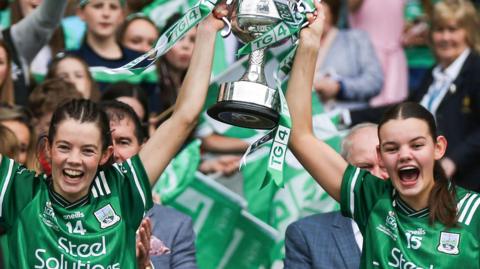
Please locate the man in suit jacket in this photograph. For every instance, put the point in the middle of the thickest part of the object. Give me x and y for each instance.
(321, 241)
(172, 228)
(175, 230)
(330, 240)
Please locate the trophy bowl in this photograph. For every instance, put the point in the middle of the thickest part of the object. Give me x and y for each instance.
(249, 102)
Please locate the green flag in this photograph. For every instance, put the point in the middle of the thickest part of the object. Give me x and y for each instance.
(179, 173)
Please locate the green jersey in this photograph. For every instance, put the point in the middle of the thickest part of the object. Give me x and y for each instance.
(96, 232)
(397, 236)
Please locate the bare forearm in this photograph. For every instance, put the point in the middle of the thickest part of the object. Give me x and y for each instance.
(194, 88)
(324, 164)
(299, 89)
(222, 144)
(169, 137)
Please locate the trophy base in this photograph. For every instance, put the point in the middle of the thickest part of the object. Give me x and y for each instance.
(243, 114)
(246, 104)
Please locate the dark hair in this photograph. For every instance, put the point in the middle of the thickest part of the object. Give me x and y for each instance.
(117, 111)
(442, 202)
(137, 5)
(84, 111)
(126, 89)
(335, 7)
(53, 69)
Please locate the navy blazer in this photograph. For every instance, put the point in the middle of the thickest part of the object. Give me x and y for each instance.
(175, 230)
(457, 117)
(321, 241)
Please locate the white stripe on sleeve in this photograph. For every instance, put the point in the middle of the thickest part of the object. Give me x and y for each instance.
(104, 181)
(5, 185)
(472, 211)
(466, 208)
(352, 190)
(137, 183)
(97, 183)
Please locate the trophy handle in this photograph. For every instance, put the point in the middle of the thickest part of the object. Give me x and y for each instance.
(226, 32)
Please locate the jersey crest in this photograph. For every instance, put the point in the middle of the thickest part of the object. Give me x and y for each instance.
(449, 243)
(106, 216)
(48, 216)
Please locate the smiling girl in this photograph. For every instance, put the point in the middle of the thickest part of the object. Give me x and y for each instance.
(85, 215)
(417, 218)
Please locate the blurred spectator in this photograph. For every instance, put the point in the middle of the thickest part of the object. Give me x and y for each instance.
(383, 21)
(6, 83)
(18, 119)
(38, 66)
(132, 95)
(348, 72)
(420, 58)
(75, 70)
(46, 97)
(450, 90)
(100, 46)
(138, 33)
(172, 66)
(26, 38)
(134, 6)
(8, 143)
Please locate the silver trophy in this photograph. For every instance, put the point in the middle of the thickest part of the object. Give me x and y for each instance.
(249, 102)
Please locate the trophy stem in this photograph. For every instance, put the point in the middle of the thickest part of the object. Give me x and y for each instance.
(256, 66)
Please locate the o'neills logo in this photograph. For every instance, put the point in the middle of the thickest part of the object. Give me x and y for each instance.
(76, 215)
(77, 251)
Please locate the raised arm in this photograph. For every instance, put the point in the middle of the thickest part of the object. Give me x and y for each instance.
(169, 137)
(35, 30)
(321, 161)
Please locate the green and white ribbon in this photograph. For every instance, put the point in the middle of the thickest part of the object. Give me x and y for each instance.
(166, 41)
(278, 148)
(293, 19)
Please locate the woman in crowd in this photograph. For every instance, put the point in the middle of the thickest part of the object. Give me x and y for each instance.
(450, 90)
(18, 120)
(348, 71)
(421, 218)
(75, 70)
(88, 211)
(6, 83)
(172, 67)
(418, 14)
(138, 33)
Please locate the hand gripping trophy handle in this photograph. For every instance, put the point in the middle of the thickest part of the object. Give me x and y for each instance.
(249, 102)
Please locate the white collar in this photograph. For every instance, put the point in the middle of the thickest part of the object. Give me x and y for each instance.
(452, 71)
